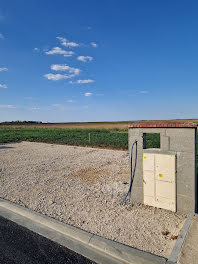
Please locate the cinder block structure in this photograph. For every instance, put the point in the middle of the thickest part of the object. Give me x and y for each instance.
(175, 158)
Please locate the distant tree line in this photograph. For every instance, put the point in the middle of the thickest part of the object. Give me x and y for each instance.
(18, 122)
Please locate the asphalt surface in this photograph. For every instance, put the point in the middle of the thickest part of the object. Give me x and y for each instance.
(18, 245)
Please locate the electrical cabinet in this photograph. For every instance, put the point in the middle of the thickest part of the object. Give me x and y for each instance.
(159, 180)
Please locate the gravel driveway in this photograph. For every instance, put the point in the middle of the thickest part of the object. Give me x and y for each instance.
(85, 187)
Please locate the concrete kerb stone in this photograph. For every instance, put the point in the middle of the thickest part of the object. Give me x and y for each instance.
(180, 240)
(67, 230)
(96, 248)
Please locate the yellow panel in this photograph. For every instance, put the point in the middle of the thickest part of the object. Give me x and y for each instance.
(148, 200)
(159, 180)
(165, 186)
(148, 183)
(165, 167)
(165, 204)
(148, 179)
(148, 161)
(165, 189)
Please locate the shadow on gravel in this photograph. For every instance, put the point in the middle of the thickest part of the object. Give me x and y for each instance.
(5, 147)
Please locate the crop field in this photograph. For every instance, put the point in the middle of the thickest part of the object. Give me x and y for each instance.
(114, 138)
(113, 135)
(83, 125)
(108, 138)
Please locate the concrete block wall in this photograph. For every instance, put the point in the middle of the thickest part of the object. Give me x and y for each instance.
(181, 141)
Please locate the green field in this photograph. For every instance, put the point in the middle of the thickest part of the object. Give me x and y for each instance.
(110, 138)
(104, 138)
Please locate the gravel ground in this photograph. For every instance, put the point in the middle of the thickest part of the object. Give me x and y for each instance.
(85, 187)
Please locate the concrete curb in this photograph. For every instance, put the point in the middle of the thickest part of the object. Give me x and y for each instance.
(180, 240)
(96, 248)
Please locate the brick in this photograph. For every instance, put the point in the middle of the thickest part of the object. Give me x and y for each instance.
(165, 143)
(181, 139)
(185, 204)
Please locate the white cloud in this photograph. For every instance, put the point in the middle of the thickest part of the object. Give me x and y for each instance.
(67, 43)
(3, 69)
(36, 49)
(72, 72)
(60, 106)
(57, 77)
(34, 108)
(144, 92)
(57, 50)
(71, 101)
(88, 94)
(7, 106)
(85, 58)
(65, 67)
(82, 81)
(93, 44)
(1, 36)
(3, 86)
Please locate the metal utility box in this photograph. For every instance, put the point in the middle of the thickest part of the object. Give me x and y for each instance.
(159, 180)
(166, 177)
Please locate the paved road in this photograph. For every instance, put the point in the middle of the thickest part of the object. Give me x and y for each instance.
(18, 245)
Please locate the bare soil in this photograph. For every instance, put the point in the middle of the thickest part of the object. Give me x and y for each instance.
(85, 187)
(88, 125)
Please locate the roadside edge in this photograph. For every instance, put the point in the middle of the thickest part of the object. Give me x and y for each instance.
(180, 240)
(91, 246)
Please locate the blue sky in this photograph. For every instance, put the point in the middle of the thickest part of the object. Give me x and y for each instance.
(91, 60)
